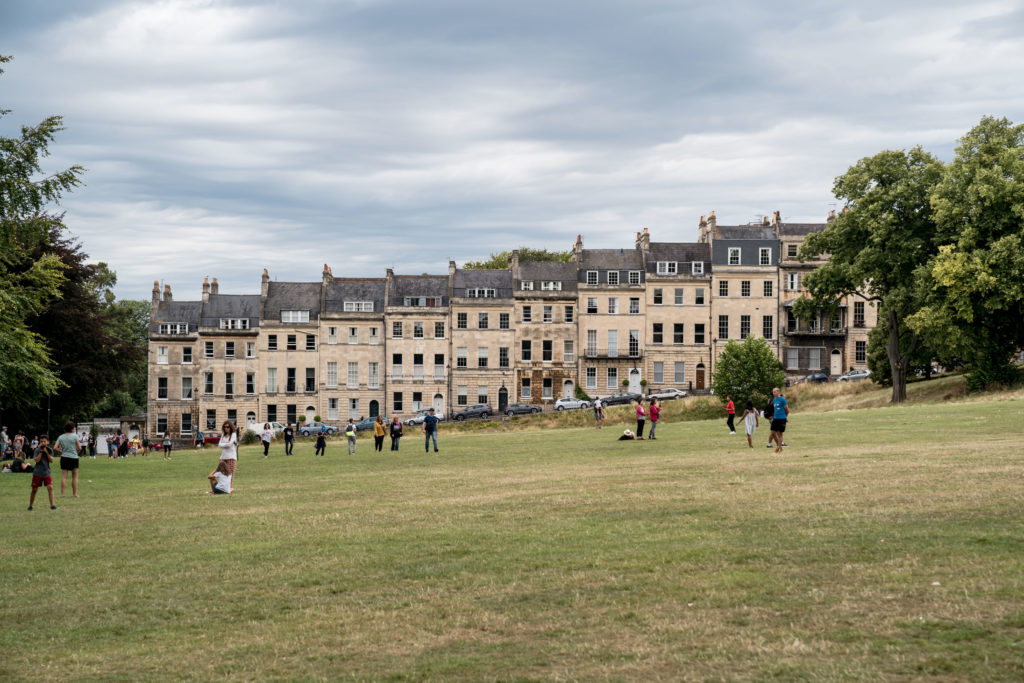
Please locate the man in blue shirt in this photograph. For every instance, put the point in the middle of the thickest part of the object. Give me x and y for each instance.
(430, 430)
(781, 414)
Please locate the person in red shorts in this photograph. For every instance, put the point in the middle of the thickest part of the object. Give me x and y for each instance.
(41, 472)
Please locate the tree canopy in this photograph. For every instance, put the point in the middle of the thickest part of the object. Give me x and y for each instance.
(885, 232)
(501, 259)
(747, 371)
(972, 287)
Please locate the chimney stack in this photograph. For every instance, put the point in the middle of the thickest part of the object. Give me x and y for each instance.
(643, 240)
(577, 250)
(702, 230)
(265, 285)
(214, 289)
(206, 289)
(712, 221)
(831, 216)
(776, 219)
(167, 293)
(156, 299)
(513, 264)
(328, 275)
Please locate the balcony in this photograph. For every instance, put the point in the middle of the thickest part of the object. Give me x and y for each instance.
(594, 352)
(815, 332)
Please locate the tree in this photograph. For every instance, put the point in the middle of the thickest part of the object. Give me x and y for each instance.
(501, 259)
(920, 360)
(747, 371)
(884, 233)
(28, 285)
(973, 286)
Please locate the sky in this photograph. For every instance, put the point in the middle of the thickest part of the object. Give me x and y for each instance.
(224, 137)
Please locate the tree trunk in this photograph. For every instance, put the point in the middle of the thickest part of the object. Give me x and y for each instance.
(897, 361)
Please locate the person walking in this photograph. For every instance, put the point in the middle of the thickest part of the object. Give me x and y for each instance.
(111, 445)
(598, 412)
(654, 412)
(5, 444)
(750, 422)
(779, 418)
(396, 433)
(200, 439)
(92, 445)
(289, 439)
(168, 445)
(380, 430)
(266, 437)
(430, 430)
(229, 447)
(350, 435)
(730, 409)
(321, 444)
(641, 419)
(67, 448)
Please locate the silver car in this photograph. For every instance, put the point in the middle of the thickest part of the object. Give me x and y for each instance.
(420, 415)
(571, 404)
(668, 394)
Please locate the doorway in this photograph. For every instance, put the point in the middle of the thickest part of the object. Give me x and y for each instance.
(439, 404)
(700, 376)
(374, 409)
(836, 366)
(568, 389)
(502, 399)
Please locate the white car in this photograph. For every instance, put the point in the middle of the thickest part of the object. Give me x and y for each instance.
(257, 427)
(854, 376)
(418, 418)
(668, 394)
(571, 404)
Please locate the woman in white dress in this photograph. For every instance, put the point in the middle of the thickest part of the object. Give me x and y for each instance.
(229, 446)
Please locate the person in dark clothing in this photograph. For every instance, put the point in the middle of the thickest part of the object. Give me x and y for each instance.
(395, 430)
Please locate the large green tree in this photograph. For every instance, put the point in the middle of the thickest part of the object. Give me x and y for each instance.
(501, 259)
(28, 285)
(747, 371)
(973, 286)
(884, 233)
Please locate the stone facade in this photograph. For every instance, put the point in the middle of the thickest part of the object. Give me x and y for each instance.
(656, 314)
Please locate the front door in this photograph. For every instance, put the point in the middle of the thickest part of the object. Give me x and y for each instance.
(568, 389)
(700, 376)
(439, 403)
(374, 409)
(836, 367)
(502, 399)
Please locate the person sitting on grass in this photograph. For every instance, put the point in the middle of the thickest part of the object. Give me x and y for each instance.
(627, 436)
(41, 472)
(220, 479)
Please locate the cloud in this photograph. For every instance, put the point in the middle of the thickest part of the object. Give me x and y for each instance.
(222, 135)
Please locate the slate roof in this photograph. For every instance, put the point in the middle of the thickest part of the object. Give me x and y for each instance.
(231, 306)
(292, 296)
(682, 252)
(539, 271)
(744, 232)
(500, 280)
(340, 290)
(800, 229)
(178, 312)
(612, 259)
(417, 285)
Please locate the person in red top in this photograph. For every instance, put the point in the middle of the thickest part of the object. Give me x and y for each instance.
(653, 411)
(730, 408)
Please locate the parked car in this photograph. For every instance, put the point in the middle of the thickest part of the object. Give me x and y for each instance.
(521, 409)
(251, 427)
(363, 425)
(417, 419)
(314, 427)
(854, 376)
(621, 398)
(571, 404)
(815, 378)
(668, 394)
(478, 410)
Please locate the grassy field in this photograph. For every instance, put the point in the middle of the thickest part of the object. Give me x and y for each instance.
(884, 543)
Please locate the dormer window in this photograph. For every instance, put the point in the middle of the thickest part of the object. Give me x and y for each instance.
(295, 316)
(551, 286)
(422, 301)
(734, 256)
(667, 267)
(526, 285)
(697, 268)
(358, 306)
(173, 328)
(613, 277)
(591, 277)
(234, 323)
(481, 293)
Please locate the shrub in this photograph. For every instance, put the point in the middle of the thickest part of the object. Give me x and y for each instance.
(582, 395)
(316, 418)
(747, 371)
(249, 438)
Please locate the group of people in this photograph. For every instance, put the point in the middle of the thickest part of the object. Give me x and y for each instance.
(67, 449)
(651, 412)
(777, 410)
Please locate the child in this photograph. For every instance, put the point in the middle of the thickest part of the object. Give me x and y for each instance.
(41, 472)
(145, 445)
(220, 480)
(168, 445)
(751, 421)
(321, 444)
(135, 445)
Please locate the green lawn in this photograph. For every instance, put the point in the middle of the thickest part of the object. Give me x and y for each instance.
(885, 543)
